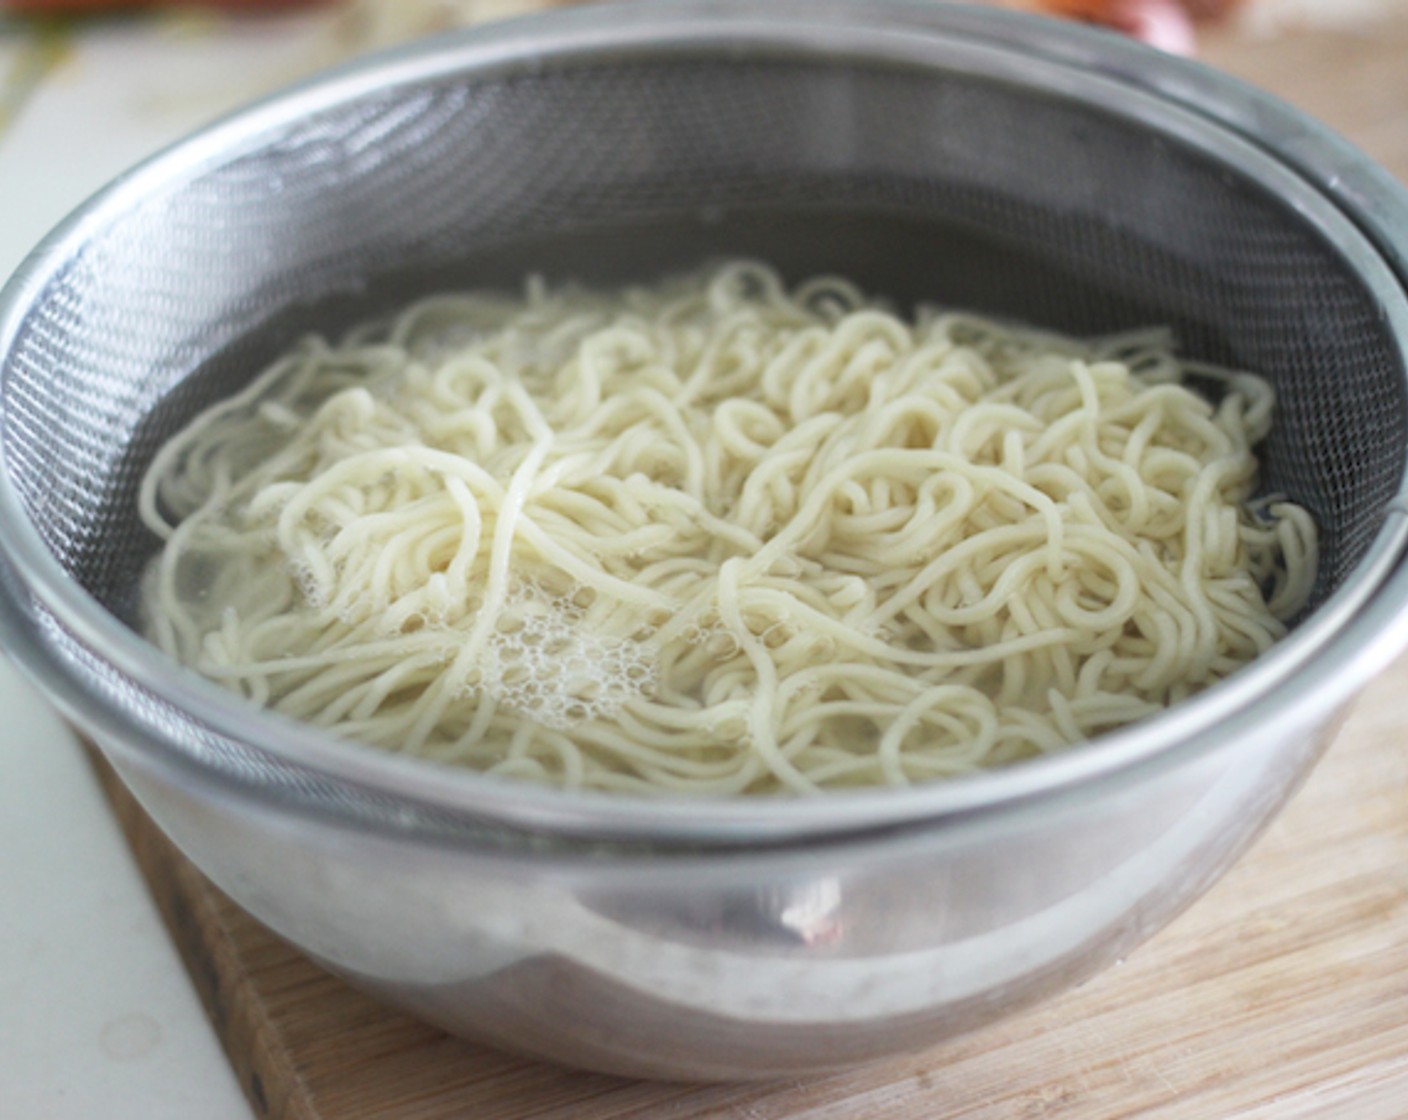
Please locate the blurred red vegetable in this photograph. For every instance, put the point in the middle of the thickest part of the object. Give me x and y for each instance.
(1167, 24)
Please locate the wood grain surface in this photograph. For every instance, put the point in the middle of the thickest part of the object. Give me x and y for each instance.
(1282, 995)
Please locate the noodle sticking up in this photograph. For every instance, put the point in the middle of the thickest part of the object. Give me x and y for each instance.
(718, 536)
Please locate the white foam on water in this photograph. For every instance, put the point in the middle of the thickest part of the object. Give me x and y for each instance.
(547, 661)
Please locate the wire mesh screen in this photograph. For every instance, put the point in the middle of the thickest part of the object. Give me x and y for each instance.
(921, 185)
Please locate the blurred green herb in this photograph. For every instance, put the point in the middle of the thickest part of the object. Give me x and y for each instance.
(43, 44)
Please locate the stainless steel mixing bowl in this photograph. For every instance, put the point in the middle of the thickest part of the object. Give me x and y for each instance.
(962, 155)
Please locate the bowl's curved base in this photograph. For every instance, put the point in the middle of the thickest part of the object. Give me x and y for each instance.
(737, 966)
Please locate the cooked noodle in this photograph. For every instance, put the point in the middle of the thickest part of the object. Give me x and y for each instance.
(718, 536)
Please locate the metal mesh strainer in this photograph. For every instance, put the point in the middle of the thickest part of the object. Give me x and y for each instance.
(939, 164)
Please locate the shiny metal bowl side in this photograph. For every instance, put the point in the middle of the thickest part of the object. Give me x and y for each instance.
(756, 963)
(747, 965)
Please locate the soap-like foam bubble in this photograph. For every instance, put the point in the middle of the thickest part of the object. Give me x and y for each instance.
(545, 660)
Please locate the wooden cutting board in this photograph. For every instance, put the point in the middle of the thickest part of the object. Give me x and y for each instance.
(1282, 995)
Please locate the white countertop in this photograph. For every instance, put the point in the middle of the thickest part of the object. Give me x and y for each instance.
(97, 1016)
